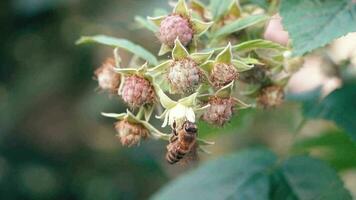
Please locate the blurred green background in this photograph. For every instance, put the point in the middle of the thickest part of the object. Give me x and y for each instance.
(54, 144)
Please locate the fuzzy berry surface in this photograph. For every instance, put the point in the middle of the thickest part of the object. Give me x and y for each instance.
(107, 78)
(137, 91)
(220, 111)
(222, 74)
(271, 96)
(175, 26)
(184, 76)
(130, 134)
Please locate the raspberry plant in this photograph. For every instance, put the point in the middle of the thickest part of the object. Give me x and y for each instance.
(213, 63)
(198, 75)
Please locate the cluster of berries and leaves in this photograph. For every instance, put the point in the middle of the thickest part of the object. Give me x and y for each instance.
(213, 64)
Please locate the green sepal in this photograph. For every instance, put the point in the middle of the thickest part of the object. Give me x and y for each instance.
(281, 81)
(200, 58)
(156, 20)
(179, 52)
(160, 69)
(225, 92)
(251, 61)
(181, 8)
(199, 7)
(119, 90)
(241, 105)
(166, 102)
(251, 90)
(148, 110)
(189, 101)
(241, 66)
(200, 27)
(164, 49)
(234, 9)
(207, 66)
(225, 56)
(118, 116)
(200, 111)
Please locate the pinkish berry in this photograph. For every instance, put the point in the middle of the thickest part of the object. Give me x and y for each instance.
(107, 78)
(137, 91)
(184, 76)
(271, 96)
(175, 26)
(220, 111)
(223, 74)
(130, 133)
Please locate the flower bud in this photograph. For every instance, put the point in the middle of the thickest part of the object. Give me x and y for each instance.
(137, 91)
(220, 111)
(271, 96)
(184, 76)
(223, 74)
(130, 133)
(107, 78)
(175, 26)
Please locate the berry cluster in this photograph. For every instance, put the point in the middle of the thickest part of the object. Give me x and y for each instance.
(207, 81)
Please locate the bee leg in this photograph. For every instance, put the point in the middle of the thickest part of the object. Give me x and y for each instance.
(173, 139)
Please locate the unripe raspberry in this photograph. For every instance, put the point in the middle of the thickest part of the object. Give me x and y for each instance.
(271, 96)
(256, 75)
(107, 78)
(175, 26)
(220, 111)
(137, 91)
(222, 74)
(130, 133)
(184, 76)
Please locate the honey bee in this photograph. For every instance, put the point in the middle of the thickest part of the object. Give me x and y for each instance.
(182, 141)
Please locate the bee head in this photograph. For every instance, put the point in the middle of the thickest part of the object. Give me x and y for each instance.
(190, 127)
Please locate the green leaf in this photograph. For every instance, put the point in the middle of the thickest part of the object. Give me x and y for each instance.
(261, 3)
(305, 178)
(314, 23)
(256, 174)
(239, 176)
(339, 106)
(240, 24)
(257, 44)
(329, 146)
(121, 43)
(146, 23)
(219, 8)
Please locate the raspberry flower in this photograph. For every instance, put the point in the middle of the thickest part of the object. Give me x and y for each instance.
(224, 69)
(182, 73)
(179, 24)
(178, 111)
(131, 129)
(136, 87)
